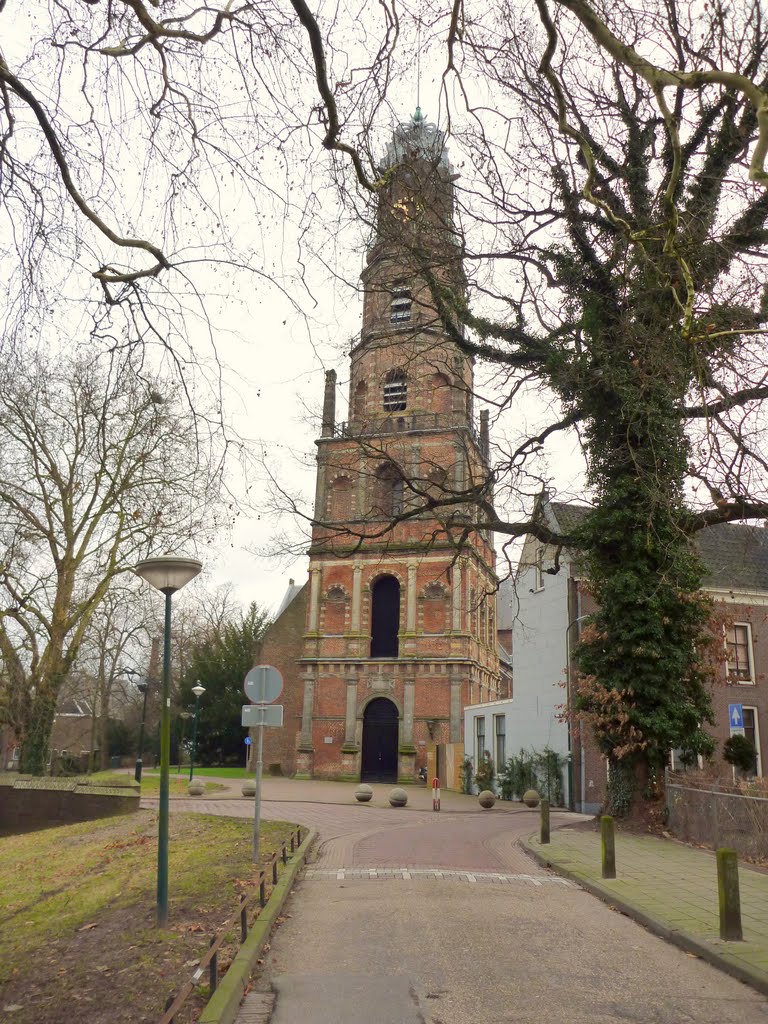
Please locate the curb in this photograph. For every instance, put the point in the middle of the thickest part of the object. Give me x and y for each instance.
(684, 940)
(224, 1005)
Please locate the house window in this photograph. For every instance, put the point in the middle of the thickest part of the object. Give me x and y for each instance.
(538, 566)
(500, 733)
(479, 740)
(400, 305)
(395, 391)
(752, 732)
(738, 646)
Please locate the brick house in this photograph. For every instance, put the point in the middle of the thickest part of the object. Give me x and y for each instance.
(395, 631)
(551, 609)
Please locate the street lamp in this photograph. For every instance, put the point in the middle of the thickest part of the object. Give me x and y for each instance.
(142, 688)
(183, 715)
(166, 574)
(198, 692)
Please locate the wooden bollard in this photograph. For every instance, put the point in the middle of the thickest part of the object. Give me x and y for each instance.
(608, 846)
(728, 894)
(544, 822)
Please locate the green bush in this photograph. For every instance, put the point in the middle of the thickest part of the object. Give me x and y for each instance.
(740, 752)
(485, 773)
(467, 770)
(542, 771)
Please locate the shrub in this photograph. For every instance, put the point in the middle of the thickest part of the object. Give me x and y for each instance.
(740, 752)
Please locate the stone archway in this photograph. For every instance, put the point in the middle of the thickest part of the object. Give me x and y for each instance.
(378, 760)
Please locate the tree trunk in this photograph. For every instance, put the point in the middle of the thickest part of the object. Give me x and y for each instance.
(35, 745)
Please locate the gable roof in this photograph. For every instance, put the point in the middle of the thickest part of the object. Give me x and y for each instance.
(293, 590)
(735, 555)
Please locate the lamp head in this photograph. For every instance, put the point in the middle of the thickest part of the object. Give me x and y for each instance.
(198, 690)
(168, 573)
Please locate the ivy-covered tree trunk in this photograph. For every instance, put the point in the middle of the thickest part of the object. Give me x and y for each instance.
(642, 687)
(35, 745)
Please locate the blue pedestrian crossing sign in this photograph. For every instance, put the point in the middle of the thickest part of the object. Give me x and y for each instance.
(736, 716)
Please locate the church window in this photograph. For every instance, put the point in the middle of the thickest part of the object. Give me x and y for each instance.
(395, 391)
(335, 608)
(340, 504)
(385, 617)
(388, 498)
(361, 393)
(440, 390)
(400, 304)
(435, 608)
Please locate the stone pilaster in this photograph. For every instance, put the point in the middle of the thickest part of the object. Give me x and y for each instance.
(410, 605)
(305, 754)
(456, 597)
(351, 714)
(315, 574)
(357, 595)
(406, 729)
(455, 726)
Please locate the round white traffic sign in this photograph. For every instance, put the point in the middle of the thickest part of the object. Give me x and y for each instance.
(263, 684)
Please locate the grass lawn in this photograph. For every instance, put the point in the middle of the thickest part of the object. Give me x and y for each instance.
(77, 933)
(222, 773)
(150, 782)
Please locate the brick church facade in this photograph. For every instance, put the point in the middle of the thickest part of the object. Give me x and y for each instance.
(395, 632)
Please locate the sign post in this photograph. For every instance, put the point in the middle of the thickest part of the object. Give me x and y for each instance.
(263, 685)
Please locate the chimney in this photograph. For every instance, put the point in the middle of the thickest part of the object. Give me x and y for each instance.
(329, 404)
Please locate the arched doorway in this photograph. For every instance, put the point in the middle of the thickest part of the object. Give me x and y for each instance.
(385, 617)
(378, 762)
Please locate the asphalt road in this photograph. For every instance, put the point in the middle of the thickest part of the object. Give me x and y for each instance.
(368, 940)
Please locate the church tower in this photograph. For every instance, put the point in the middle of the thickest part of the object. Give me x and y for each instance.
(400, 623)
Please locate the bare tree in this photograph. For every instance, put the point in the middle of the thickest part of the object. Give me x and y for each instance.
(97, 466)
(118, 636)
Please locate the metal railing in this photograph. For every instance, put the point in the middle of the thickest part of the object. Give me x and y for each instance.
(210, 959)
(401, 423)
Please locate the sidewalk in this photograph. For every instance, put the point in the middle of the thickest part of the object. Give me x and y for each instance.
(670, 888)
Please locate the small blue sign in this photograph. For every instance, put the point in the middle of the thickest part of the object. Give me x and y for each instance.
(247, 741)
(736, 716)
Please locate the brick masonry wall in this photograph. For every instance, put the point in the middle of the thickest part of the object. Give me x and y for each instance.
(727, 691)
(281, 647)
(29, 805)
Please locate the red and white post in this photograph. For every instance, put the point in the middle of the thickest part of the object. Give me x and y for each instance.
(435, 794)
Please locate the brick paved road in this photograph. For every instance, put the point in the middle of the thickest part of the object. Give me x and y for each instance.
(364, 835)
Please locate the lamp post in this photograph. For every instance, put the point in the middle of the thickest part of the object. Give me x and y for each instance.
(198, 691)
(142, 688)
(183, 715)
(166, 574)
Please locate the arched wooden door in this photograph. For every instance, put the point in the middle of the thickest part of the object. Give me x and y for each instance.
(378, 762)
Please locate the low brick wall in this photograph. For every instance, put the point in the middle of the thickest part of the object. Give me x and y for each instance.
(706, 814)
(28, 804)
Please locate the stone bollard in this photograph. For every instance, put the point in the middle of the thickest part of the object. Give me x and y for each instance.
(544, 822)
(608, 846)
(728, 893)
